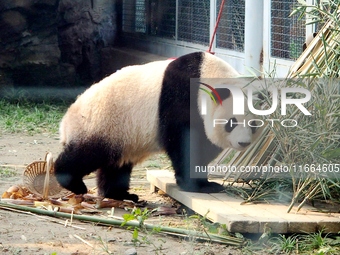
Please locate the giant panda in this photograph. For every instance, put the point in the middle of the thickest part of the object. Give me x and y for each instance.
(145, 109)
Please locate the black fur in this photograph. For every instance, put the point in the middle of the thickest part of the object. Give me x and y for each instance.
(181, 130)
(113, 182)
(80, 158)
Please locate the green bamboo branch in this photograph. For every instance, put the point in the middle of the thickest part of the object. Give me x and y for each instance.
(202, 236)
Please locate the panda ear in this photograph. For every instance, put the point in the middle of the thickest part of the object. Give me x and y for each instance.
(224, 93)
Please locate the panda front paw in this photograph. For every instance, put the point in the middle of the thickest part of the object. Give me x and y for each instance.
(211, 187)
(132, 197)
(67, 181)
(201, 186)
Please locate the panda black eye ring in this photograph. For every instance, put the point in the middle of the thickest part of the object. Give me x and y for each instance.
(232, 123)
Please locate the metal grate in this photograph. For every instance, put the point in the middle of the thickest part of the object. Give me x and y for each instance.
(230, 33)
(158, 18)
(287, 33)
(129, 16)
(163, 18)
(193, 21)
(150, 17)
(140, 16)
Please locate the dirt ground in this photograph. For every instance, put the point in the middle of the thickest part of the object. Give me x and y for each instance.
(22, 233)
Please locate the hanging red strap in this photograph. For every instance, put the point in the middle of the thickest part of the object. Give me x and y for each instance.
(216, 26)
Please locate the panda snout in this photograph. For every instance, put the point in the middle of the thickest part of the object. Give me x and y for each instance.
(244, 145)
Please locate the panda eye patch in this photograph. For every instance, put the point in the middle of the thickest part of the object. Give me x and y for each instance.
(232, 123)
(224, 93)
(253, 127)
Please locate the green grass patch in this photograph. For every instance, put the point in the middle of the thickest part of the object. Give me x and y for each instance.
(6, 172)
(313, 243)
(30, 117)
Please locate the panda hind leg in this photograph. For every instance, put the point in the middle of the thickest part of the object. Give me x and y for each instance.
(114, 182)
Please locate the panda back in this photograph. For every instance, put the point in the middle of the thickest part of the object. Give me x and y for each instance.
(122, 109)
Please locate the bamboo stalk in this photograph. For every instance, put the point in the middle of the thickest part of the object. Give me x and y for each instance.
(308, 196)
(228, 240)
(48, 166)
(14, 166)
(84, 241)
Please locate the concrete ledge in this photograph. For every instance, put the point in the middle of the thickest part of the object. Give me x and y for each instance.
(114, 59)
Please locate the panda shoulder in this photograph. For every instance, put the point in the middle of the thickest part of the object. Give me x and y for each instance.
(215, 67)
(134, 68)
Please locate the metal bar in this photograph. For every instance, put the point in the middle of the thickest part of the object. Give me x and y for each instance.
(253, 35)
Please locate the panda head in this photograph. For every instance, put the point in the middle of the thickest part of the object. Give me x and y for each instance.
(225, 129)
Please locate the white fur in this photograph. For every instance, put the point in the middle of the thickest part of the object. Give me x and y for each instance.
(216, 68)
(127, 99)
(218, 135)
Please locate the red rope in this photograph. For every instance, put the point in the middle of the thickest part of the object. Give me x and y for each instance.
(216, 26)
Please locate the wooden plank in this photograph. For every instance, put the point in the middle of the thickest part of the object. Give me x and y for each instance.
(246, 218)
(265, 217)
(201, 202)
